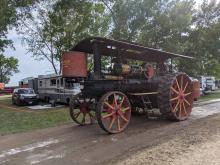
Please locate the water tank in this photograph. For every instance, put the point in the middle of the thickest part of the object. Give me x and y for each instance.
(2, 86)
(74, 64)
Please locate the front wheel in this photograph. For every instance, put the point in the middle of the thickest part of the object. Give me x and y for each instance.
(113, 112)
(81, 110)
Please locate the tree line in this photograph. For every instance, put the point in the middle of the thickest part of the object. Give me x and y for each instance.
(50, 27)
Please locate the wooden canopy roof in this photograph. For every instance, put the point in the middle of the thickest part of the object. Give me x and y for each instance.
(124, 50)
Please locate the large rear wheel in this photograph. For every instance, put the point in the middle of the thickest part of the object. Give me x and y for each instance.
(175, 97)
(113, 112)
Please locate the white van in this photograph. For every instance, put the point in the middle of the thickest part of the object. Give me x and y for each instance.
(207, 83)
(57, 88)
(210, 83)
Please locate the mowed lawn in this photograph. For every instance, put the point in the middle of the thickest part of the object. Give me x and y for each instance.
(14, 119)
(210, 96)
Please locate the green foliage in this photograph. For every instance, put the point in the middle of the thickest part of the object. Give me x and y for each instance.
(204, 42)
(170, 25)
(10, 12)
(62, 24)
(175, 26)
(8, 16)
(8, 66)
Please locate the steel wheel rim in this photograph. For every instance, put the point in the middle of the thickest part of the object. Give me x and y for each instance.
(80, 111)
(115, 112)
(181, 97)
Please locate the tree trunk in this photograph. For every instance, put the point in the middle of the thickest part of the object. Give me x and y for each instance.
(54, 67)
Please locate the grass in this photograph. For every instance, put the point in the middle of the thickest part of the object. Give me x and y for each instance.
(14, 119)
(210, 96)
(22, 119)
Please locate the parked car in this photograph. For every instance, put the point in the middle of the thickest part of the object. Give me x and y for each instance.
(24, 96)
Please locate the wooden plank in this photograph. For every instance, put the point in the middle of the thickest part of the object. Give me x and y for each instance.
(140, 94)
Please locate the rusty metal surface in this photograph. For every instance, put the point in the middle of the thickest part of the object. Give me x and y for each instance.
(2, 86)
(196, 89)
(74, 64)
(123, 49)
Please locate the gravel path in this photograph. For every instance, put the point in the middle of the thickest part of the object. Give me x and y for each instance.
(146, 141)
(198, 144)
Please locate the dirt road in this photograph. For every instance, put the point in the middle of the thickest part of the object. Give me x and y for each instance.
(146, 141)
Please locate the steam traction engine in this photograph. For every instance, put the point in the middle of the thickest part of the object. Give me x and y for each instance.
(122, 78)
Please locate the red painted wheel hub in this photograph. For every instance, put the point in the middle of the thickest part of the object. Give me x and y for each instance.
(84, 108)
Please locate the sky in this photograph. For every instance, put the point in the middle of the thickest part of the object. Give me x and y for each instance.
(28, 66)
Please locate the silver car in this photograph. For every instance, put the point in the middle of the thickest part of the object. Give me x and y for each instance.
(24, 96)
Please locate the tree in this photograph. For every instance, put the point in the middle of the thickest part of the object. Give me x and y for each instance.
(8, 66)
(170, 25)
(60, 25)
(11, 11)
(128, 17)
(203, 42)
(161, 24)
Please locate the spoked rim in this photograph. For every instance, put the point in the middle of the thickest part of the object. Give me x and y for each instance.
(181, 97)
(114, 112)
(81, 112)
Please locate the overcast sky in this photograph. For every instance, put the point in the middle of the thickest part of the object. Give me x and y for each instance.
(27, 65)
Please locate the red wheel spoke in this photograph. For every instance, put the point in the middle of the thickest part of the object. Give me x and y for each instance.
(77, 114)
(184, 108)
(174, 90)
(118, 123)
(84, 118)
(112, 122)
(91, 115)
(125, 109)
(90, 101)
(187, 94)
(187, 101)
(106, 103)
(174, 98)
(178, 86)
(78, 101)
(174, 110)
(185, 86)
(108, 115)
(181, 82)
(115, 100)
(122, 116)
(180, 110)
(122, 101)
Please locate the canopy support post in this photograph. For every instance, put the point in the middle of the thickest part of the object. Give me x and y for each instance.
(97, 61)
